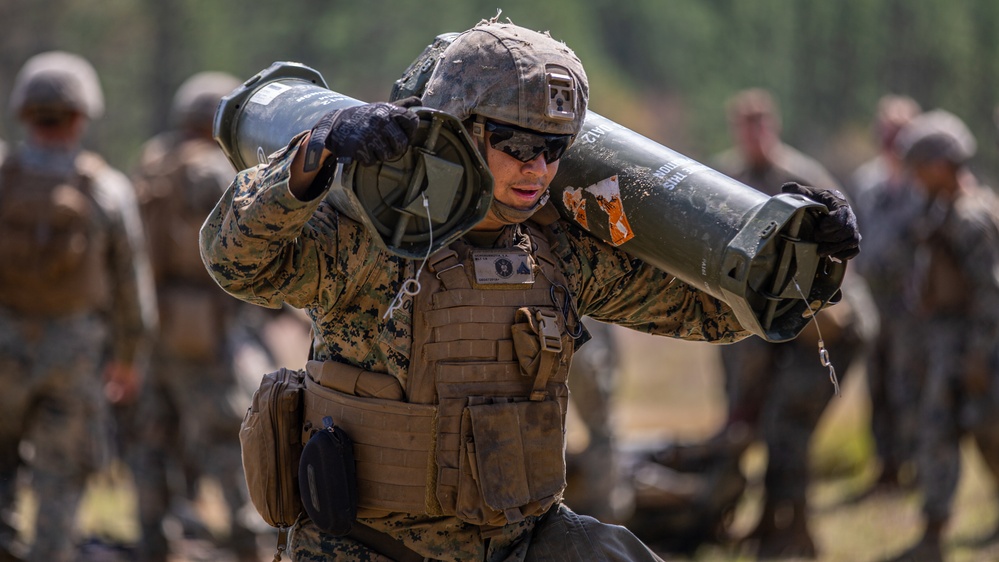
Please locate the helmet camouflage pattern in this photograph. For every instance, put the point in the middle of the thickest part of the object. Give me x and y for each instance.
(504, 72)
(57, 80)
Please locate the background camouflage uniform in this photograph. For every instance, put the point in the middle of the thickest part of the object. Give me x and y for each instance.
(266, 247)
(778, 391)
(77, 300)
(961, 342)
(50, 366)
(956, 298)
(887, 206)
(187, 422)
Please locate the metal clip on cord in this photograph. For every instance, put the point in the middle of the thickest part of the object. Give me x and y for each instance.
(411, 287)
(823, 352)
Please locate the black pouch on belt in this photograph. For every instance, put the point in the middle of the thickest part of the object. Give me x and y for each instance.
(327, 479)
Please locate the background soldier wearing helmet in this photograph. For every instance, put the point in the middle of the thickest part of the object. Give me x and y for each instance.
(189, 415)
(956, 296)
(887, 205)
(486, 362)
(76, 298)
(777, 391)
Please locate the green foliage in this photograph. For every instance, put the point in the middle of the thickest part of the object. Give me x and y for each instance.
(662, 67)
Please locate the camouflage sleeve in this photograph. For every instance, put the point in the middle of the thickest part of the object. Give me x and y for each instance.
(133, 315)
(259, 244)
(613, 287)
(975, 240)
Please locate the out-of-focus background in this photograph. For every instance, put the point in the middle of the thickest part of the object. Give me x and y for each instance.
(663, 68)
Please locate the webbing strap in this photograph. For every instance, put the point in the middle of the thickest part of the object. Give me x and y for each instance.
(449, 269)
(551, 347)
(384, 544)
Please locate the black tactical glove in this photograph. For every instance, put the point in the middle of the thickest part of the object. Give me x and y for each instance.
(369, 133)
(836, 232)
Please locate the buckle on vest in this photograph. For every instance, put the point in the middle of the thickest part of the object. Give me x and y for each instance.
(548, 332)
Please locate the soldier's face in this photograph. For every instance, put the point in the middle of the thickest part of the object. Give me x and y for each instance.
(60, 129)
(934, 177)
(755, 136)
(519, 184)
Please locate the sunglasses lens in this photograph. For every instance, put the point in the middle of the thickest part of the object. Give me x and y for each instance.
(556, 147)
(525, 145)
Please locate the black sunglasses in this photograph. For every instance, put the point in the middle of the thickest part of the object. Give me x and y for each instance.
(526, 145)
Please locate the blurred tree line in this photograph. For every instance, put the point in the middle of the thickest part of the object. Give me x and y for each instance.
(661, 67)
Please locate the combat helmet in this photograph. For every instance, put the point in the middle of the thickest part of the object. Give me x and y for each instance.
(57, 80)
(937, 134)
(198, 97)
(504, 72)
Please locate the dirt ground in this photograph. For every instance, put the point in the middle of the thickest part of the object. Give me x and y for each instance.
(673, 389)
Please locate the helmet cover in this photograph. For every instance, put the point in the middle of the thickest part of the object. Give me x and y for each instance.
(58, 80)
(936, 135)
(507, 73)
(198, 97)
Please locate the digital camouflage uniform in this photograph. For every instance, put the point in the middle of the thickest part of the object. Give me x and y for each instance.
(188, 417)
(779, 390)
(466, 427)
(956, 301)
(266, 247)
(958, 286)
(887, 210)
(76, 296)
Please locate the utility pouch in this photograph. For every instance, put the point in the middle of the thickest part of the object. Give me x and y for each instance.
(512, 464)
(327, 478)
(271, 441)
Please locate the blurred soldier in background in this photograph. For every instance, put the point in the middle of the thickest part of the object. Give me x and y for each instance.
(595, 477)
(188, 419)
(956, 293)
(777, 392)
(887, 206)
(76, 299)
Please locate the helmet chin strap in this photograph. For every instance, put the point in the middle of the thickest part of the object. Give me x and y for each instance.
(511, 215)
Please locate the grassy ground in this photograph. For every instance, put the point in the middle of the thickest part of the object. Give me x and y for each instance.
(673, 389)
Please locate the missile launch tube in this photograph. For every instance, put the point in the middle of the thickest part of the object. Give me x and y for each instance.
(757, 253)
(753, 251)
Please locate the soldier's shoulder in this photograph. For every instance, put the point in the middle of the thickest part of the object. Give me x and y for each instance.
(155, 149)
(109, 185)
(808, 169)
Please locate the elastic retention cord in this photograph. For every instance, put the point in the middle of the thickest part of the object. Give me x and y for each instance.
(823, 352)
(411, 287)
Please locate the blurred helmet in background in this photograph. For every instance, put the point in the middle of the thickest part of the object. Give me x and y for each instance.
(54, 82)
(198, 97)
